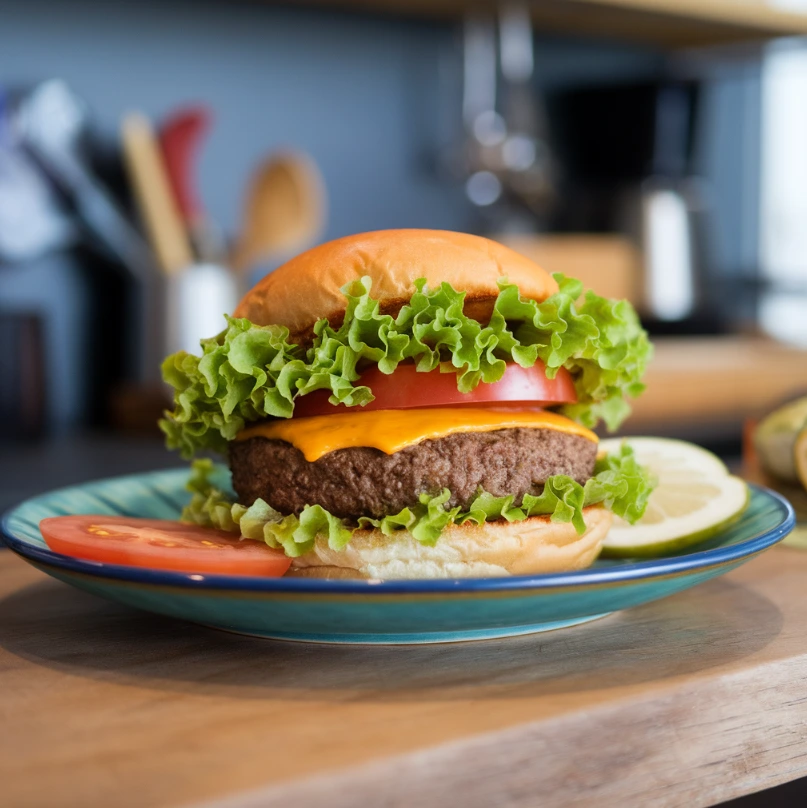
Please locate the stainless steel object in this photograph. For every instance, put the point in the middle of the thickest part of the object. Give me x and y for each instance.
(506, 158)
(667, 242)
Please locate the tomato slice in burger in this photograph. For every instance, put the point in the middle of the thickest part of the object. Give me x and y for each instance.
(161, 544)
(406, 388)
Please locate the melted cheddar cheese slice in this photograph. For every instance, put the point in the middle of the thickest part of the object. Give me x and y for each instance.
(393, 430)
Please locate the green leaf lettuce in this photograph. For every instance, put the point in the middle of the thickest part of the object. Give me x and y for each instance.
(619, 483)
(249, 373)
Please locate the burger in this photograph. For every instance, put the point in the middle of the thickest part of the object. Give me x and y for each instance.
(414, 404)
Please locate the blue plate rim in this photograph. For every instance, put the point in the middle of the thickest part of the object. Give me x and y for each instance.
(633, 571)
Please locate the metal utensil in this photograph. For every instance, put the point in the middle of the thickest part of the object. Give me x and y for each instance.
(52, 121)
(52, 124)
(525, 154)
(506, 161)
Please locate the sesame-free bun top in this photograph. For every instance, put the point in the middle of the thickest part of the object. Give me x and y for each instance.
(308, 288)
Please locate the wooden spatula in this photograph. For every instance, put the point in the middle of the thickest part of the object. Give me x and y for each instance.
(284, 210)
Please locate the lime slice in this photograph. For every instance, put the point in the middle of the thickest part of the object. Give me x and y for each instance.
(800, 457)
(695, 499)
(775, 437)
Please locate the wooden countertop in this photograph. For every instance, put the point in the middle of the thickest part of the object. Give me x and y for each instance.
(688, 701)
(715, 383)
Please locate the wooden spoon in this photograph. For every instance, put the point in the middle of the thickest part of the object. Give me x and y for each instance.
(155, 200)
(284, 211)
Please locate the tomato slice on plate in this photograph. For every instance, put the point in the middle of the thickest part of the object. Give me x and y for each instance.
(406, 388)
(161, 544)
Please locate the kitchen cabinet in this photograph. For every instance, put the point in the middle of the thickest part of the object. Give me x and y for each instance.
(670, 23)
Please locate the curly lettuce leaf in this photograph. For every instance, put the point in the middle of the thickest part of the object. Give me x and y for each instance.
(622, 484)
(212, 505)
(619, 483)
(249, 373)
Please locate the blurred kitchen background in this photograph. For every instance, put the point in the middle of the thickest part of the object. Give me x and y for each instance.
(155, 156)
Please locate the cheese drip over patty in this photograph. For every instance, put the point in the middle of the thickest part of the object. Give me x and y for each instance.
(393, 430)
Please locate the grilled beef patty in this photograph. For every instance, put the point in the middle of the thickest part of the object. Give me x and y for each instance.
(367, 482)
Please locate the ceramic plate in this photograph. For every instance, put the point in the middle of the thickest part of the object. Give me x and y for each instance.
(374, 611)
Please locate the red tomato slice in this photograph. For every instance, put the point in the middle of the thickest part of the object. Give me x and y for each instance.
(161, 544)
(519, 388)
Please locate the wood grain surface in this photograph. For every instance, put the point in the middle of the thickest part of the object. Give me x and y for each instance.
(715, 383)
(688, 701)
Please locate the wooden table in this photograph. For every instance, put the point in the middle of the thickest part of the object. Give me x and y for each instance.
(689, 701)
(701, 384)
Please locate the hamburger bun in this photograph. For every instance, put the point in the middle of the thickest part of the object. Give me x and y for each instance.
(308, 288)
(536, 545)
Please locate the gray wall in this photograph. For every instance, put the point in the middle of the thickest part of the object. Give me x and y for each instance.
(370, 98)
(365, 96)
(343, 88)
(356, 93)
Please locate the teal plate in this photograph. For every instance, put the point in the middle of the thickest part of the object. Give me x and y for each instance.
(374, 611)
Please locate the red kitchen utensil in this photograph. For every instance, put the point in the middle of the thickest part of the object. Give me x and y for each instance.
(180, 141)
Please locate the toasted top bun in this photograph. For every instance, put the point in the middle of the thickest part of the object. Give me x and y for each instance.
(308, 288)
(535, 545)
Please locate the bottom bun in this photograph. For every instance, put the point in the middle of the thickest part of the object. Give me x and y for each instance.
(496, 548)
